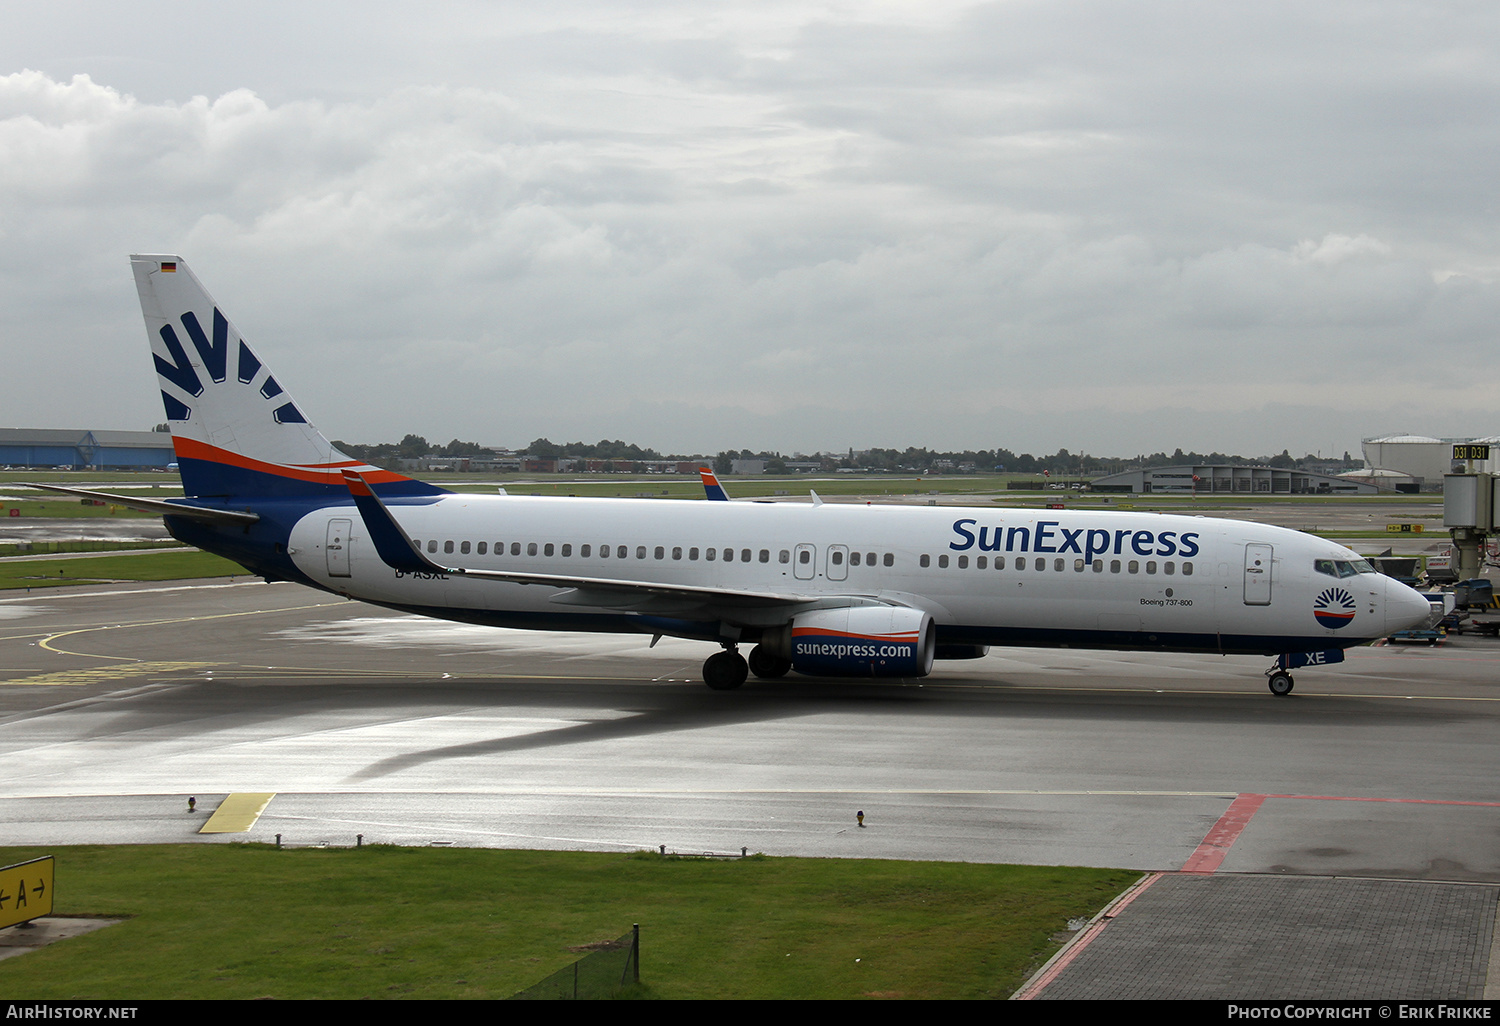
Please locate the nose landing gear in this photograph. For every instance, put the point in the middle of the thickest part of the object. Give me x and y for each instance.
(1280, 681)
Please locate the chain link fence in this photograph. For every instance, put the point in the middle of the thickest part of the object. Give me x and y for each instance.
(602, 973)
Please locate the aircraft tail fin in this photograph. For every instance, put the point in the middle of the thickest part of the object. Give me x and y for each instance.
(711, 486)
(235, 429)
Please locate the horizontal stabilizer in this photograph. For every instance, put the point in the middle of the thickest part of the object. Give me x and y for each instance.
(166, 509)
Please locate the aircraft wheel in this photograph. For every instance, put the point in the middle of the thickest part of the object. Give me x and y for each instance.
(725, 671)
(1280, 683)
(766, 666)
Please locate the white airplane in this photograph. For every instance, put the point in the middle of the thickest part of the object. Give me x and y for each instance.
(825, 589)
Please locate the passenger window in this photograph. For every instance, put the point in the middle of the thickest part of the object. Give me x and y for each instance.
(765, 555)
(1169, 568)
(744, 555)
(963, 562)
(1057, 564)
(1187, 569)
(676, 551)
(1020, 562)
(547, 549)
(981, 562)
(463, 548)
(1098, 566)
(836, 558)
(1150, 566)
(1078, 565)
(584, 550)
(804, 557)
(660, 552)
(1134, 566)
(1114, 566)
(869, 559)
(712, 554)
(515, 548)
(604, 552)
(999, 562)
(943, 561)
(640, 552)
(854, 559)
(432, 545)
(890, 559)
(620, 551)
(926, 560)
(567, 550)
(784, 556)
(448, 547)
(693, 553)
(481, 547)
(531, 548)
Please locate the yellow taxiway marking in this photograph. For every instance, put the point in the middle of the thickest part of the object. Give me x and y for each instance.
(103, 674)
(46, 642)
(237, 813)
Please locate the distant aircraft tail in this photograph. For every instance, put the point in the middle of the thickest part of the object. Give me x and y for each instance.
(711, 486)
(235, 429)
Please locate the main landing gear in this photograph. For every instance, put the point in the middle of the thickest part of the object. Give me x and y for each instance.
(727, 670)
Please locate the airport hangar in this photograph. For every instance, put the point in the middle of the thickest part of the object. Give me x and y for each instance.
(1206, 479)
(86, 450)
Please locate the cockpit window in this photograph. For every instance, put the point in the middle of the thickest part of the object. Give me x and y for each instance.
(1343, 567)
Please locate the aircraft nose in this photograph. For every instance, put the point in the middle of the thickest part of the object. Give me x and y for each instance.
(1404, 607)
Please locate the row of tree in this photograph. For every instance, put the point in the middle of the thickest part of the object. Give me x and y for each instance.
(628, 456)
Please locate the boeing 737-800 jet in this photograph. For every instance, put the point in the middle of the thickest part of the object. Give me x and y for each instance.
(823, 589)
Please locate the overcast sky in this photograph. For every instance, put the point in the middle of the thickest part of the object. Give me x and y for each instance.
(1110, 227)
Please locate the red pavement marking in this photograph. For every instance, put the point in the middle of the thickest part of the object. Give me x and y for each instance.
(1210, 854)
(1084, 939)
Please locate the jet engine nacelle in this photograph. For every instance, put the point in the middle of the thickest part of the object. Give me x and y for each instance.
(860, 641)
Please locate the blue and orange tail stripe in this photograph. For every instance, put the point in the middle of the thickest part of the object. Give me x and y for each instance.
(210, 470)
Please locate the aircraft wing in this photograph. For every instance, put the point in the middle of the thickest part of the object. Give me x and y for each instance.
(166, 509)
(398, 552)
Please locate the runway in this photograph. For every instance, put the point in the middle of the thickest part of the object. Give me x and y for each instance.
(119, 702)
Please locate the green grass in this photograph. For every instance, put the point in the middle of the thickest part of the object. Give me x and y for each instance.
(74, 509)
(155, 566)
(42, 548)
(246, 921)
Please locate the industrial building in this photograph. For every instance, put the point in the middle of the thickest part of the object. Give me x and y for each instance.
(1422, 458)
(1206, 479)
(85, 450)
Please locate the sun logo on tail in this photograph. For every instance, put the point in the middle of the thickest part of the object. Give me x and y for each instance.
(178, 369)
(1334, 608)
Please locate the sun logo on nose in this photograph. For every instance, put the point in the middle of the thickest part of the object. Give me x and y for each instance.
(1334, 608)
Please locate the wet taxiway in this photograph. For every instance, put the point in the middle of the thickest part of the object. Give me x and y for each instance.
(117, 703)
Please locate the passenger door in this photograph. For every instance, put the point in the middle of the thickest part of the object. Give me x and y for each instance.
(1257, 574)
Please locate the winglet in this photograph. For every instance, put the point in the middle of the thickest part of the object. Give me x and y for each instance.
(395, 548)
(716, 492)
